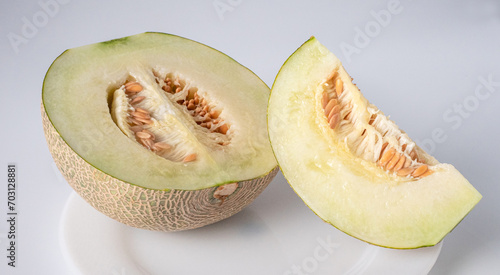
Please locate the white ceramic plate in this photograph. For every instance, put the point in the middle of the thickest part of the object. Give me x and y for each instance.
(248, 243)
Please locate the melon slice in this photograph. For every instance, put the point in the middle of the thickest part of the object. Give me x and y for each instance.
(352, 165)
(158, 131)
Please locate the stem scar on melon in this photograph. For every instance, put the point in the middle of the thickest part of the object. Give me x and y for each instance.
(153, 130)
(352, 165)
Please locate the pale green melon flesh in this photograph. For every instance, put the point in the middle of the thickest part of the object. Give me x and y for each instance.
(79, 86)
(370, 205)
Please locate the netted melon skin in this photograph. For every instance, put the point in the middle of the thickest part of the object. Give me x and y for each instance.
(157, 210)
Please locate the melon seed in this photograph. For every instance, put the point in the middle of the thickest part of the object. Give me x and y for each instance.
(134, 121)
(223, 129)
(142, 115)
(214, 114)
(142, 135)
(189, 158)
(136, 128)
(329, 106)
(388, 155)
(147, 143)
(427, 173)
(335, 110)
(334, 120)
(413, 155)
(405, 171)
(400, 164)
(339, 86)
(152, 136)
(133, 87)
(137, 100)
(140, 110)
(161, 146)
(419, 171)
(390, 165)
(324, 100)
(144, 120)
(224, 191)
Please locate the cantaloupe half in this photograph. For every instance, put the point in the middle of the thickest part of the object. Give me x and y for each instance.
(352, 165)
(158, 131)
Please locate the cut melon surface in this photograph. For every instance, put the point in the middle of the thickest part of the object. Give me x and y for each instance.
(158, 131)
(353, 166)
(80, 84)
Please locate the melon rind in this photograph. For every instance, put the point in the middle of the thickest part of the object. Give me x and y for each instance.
(370, 205)
(158, 210)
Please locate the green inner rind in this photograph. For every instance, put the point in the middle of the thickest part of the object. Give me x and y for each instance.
(390, 214)
(75, 97)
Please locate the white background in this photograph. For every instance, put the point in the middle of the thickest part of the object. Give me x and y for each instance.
(418, 66)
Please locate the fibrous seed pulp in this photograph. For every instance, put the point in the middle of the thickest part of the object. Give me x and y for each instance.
(139, 111)
(377, 140)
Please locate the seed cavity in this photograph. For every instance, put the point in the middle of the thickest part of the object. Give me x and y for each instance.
(205, 115)
(373, 138)
(138, 110)
(139, 119)
(330, 101)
